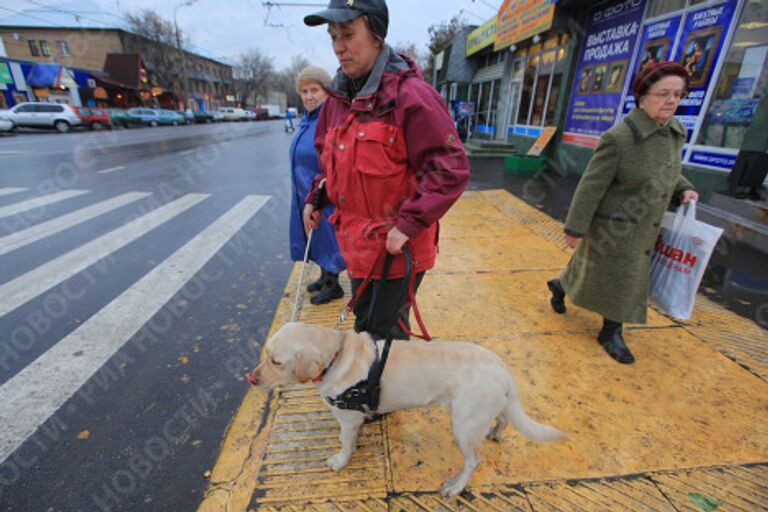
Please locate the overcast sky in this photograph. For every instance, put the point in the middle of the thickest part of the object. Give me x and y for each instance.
(228, 27)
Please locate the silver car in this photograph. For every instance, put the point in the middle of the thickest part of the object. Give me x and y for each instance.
(6, 124)
(44, 115)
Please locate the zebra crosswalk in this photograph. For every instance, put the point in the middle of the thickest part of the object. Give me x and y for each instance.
(26, 399)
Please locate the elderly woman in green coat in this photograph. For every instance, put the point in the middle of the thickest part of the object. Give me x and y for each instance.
(616, 211)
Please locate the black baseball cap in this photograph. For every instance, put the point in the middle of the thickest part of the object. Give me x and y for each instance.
(343, 11)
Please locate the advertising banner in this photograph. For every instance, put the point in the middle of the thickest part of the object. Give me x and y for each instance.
(610, 41)
(484, 35)
(520, 19)
(702, 40)
(656, 45)
(5, 74)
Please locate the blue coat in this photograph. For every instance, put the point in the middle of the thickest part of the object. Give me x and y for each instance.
(304, 167)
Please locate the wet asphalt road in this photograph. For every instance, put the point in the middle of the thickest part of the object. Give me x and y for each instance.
(131, 392)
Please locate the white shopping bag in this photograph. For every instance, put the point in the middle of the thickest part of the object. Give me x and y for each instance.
(679, 260)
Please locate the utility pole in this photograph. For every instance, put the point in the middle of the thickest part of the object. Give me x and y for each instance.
(184, 77)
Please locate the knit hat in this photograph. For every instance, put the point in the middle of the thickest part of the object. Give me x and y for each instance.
(344, 11)
(652, 73)
(312, 74)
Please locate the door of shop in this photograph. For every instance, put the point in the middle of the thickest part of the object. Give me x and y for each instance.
(508, 117)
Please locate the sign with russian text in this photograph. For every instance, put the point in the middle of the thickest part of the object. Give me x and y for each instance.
(546, 135)
(611, 37)
(481, 37)
(655, 46)
(520, 19)
(699, 48)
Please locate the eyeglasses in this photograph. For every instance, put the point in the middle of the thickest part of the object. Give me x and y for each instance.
(665, 95)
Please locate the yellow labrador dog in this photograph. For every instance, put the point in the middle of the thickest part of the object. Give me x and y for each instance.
(472, 382)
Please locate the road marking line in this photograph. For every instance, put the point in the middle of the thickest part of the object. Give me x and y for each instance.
(35, 393)
(6, 152)
(26, 287)
(32, 234)
(39, 202)
(112, 169)
(11, 190)
(187, 152)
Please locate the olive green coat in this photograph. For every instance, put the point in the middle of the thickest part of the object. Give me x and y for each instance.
(617, 207)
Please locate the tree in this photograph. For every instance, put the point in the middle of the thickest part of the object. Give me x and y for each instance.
(161, 46)
(440, 36)
(411, 50)
(253, 74)
(285, 80)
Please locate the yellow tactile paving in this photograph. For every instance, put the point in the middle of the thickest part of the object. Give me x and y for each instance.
(681, 429)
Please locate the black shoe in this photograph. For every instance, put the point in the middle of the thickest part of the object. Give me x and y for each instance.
(316, 286)
(558, 296)
(329, 292)
(611, 339)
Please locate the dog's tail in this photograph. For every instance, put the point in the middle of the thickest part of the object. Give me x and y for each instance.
(529, 428)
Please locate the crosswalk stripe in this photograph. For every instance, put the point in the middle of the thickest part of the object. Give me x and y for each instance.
(38, 202)
(112, 169)
(34, 233)
(28, 286)
(35, 393)
(11, 190)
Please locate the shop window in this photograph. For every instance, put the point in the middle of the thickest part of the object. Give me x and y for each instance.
(743, 79)
(543, 76)
(494, 104)
(45, 49)
(63, 48)
(33, 48)
(661, 7)
(529, 78)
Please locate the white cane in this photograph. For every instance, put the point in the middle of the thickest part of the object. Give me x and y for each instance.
(299, 285)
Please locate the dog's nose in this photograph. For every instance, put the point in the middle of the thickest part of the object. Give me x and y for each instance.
(250, 379)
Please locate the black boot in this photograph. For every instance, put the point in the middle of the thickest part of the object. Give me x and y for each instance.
(613, 342)
(316, 286)
(558, 296)
(331, 290)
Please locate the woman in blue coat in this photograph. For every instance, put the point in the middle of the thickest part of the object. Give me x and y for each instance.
(304, 167)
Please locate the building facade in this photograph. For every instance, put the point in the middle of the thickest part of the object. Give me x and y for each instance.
(165, 76)
(570, 65)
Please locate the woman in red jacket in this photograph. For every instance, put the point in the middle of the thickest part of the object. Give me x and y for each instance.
(391, 157)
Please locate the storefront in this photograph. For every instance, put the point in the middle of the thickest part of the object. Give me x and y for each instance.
(723, 44)
(53, 83)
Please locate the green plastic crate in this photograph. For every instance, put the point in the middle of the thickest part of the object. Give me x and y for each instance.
(524, 164)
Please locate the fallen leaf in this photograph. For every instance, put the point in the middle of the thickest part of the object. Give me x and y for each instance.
(85, 434)
(183, 359)
(207, 474)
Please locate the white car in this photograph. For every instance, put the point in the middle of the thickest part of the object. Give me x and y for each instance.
(44, 115)
(229, 114)
(6, 125)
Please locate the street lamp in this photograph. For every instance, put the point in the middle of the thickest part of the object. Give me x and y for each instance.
(184, 78)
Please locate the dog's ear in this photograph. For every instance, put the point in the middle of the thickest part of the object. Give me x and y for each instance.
(308, 366)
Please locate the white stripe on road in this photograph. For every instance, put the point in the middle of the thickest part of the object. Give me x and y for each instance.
(187, 152)
(11, 190)
(38, 202)
(112, 169)
(35, 393)
(28, 286)
(33, 234)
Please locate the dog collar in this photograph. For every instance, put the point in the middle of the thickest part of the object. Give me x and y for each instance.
(320, 377)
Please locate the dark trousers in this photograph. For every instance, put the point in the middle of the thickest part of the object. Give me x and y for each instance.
(377, 320)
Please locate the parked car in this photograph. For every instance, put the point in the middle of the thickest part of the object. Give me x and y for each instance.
(250, 115)
(198, 117)
(169, 117)
(120, 117)
(94, 118)
(231, 114)
(148, 116)
(44, 115)
(262, 114)
(6, 125)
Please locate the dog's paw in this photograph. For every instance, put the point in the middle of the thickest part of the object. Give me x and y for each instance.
(451, 487)
(337, 462)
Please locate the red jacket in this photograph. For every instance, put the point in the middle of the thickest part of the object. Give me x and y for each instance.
(391, 157)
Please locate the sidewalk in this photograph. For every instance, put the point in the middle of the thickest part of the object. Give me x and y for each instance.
(681, 429)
